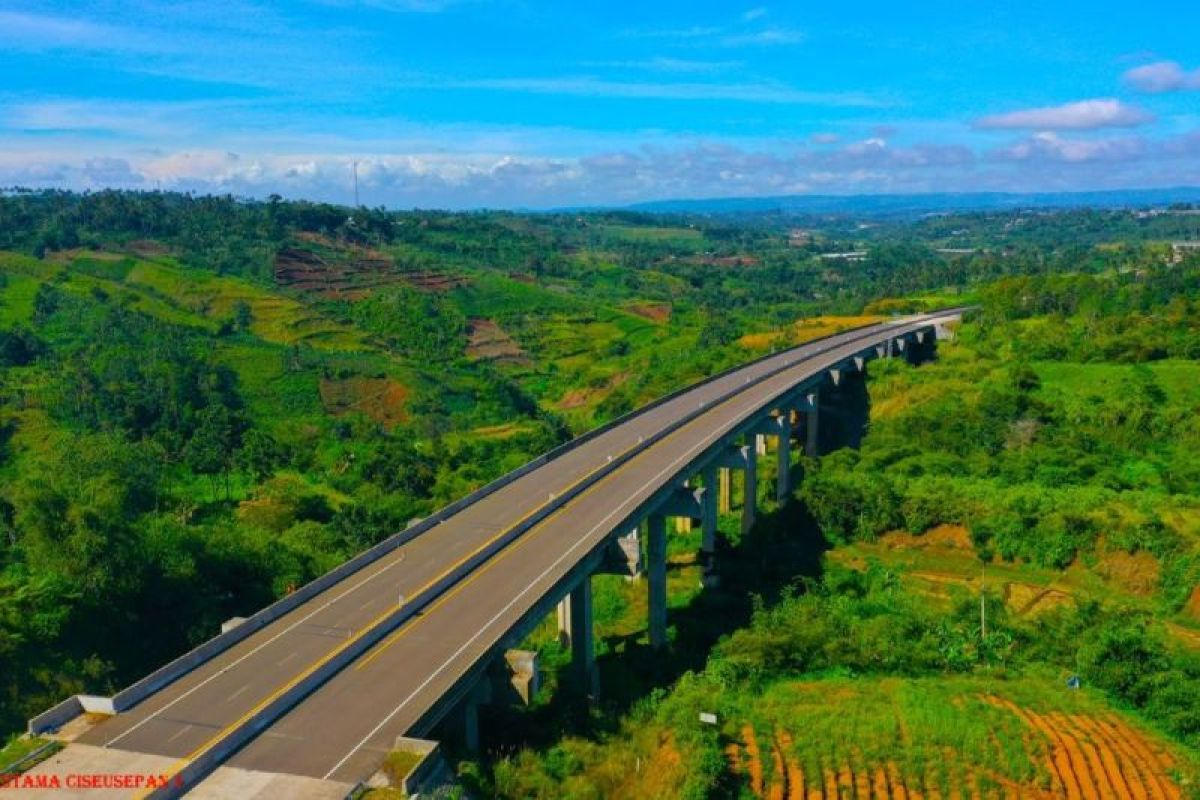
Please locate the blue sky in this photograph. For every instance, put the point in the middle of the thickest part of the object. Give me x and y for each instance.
(468, 103)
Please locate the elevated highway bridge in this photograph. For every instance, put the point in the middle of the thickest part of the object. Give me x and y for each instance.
(402, 638)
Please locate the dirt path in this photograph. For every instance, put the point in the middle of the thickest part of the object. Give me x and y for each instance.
(795, 775)
(753, 760)
(1147, 762)
(1128, 778)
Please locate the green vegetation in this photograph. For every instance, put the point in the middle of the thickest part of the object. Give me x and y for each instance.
(19, 749)
(205, 403)
(1044, 464)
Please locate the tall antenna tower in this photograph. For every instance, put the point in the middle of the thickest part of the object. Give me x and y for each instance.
(355, 168)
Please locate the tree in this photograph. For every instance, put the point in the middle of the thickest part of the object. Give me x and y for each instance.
(243, 316)
(259, 455)
(211, 449)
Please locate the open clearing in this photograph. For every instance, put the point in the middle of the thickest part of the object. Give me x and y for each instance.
(805, 330)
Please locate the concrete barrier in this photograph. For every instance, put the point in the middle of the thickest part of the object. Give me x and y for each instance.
(425, 770)
(172, 671)
(241, 733)
(93, 704)
(175, 669)
(246, 729)
(54, 718)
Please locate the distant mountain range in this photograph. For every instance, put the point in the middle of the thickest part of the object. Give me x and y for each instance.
(905, 204)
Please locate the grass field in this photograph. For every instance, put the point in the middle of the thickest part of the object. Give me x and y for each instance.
(805, 330)
(1180, 380)
(646, 233)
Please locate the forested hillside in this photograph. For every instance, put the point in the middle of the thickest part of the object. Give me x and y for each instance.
(1023, 517)
(206, 402)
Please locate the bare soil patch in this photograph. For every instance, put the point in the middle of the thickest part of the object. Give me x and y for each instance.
(655, 312)
(349, 272)
(381, 399)
(487, 341)
(945, 537)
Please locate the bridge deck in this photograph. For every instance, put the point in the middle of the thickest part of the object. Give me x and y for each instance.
(340, 730)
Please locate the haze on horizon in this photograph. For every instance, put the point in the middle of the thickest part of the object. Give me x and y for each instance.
(470, 103)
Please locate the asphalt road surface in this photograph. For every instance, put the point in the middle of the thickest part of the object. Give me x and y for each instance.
(341, 730)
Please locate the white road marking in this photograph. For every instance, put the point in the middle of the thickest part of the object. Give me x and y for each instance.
(225, 669)
(235, 694)
(528, 587)
(180, 732)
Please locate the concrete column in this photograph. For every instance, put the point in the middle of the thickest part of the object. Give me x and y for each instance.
(708, 521)
(723, 502)
(469, 711)
(750, 487)
(783, 482)
(564, 621)
(810, 425)
(470, 725)
(583, 648)
(656, 573)
(760, 444)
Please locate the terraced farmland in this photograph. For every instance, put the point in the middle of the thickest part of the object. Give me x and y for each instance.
(897, 740)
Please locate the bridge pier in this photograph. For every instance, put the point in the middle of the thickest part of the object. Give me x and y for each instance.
(780, 427)
(744, 459)
(575, 631)
(708, 525)
(656, 574)
(479, 694)
(749, 490)
(811, 420)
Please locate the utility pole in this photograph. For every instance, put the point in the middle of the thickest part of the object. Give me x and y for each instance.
(982, 602)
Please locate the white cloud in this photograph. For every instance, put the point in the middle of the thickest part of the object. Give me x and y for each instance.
(753, 14)
(693, 32)
(1048, 146)
(731, 36)
(744, 92)
(460, 166)
(767, 36)
(1082, 115)
(38, 32)
(1162, 76)
(404, 6)
(666, 64)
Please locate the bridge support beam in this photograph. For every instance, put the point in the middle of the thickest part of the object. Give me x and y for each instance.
(656, 574)
(623, 556)
(575, 630)
(783, 479)
(749, 491)
(780, 427)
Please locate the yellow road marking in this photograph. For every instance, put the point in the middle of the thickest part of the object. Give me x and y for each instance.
(409, 624)
(182, 763)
